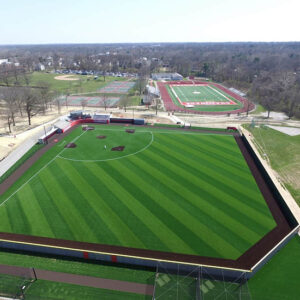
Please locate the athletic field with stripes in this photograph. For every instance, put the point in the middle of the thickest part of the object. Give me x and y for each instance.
(200, 94)
(201, 97)
(148, 188)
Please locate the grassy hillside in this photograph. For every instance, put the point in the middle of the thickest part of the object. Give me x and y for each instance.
(283, 152)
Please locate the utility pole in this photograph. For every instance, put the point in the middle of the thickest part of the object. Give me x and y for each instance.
(46, 140)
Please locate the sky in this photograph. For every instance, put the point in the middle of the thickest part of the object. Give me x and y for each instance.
(135, 21)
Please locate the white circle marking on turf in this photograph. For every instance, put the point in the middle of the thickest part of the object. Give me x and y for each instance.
(108, 159)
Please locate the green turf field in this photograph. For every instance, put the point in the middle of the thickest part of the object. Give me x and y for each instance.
(168, 190)
(198, 93)
(201, 93)
(279, 278)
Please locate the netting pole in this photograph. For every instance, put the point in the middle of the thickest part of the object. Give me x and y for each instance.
(198, 294)
(35, 277)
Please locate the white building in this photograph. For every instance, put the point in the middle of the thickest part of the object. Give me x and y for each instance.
(166, 76)
(3, 61)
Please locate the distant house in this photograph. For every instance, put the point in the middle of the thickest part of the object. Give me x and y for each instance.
(40, 67)
(3, 61)
(166, 76)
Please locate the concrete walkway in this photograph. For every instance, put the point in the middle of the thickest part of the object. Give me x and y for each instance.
(15, 155)
(25, 146)
(83, 280)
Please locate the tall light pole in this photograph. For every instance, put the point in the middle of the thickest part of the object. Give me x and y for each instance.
(45, 135)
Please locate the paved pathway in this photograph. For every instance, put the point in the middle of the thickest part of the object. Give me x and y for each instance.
(95, 282)
(15, 155)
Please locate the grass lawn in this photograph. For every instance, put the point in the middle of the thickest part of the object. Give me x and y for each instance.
(77, 267)
(279, 278)
(186, 95)
(172, 191)
(283, 152)
(258, 109)
(57, 290)
(42, 289)
(11, 285)
(76, 86)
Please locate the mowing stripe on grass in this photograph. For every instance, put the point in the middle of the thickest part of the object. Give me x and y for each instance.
(190, 193)
(171, 207)
(71, 215)
(245, 212)
(17, 218)
(240, 199)
(55, 219)
(211, 154)
(110, 217)
(194, 199)
(150, 220)
(37, 173)
(33, 212)
(145, 234)
(93, 220)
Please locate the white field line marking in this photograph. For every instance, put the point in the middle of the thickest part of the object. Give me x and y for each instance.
(152, 139)
(109, 159)
(185, 98)
(62, 143)
(221, 94)
(39, 171)
(175, 95)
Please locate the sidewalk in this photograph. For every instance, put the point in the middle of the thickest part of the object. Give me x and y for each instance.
(26, 145)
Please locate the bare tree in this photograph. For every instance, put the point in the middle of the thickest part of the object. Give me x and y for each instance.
(105, 101)
(10, 95)
(124, 102)
(83, 103)
(45, 96)
(31, 103)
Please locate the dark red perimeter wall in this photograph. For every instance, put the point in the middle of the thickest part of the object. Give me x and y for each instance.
(170, 106)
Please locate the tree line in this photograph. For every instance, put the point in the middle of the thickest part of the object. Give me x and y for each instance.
(24, 101)
(268, 72)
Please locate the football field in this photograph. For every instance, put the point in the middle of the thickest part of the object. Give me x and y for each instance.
(203, 97)
(168, 190)
(200, 95)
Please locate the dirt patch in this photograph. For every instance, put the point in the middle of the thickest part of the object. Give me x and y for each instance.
(66, 77)
(101, 137)
(85, 128)
(119, 148)
(71, 145)
(130, 130)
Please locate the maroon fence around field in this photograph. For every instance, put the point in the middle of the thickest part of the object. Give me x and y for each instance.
(171, 106)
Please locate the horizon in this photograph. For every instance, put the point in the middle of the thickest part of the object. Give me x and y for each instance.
(156, 43)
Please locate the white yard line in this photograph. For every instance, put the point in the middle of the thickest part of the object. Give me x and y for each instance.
(39, 171)
(221, 94)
